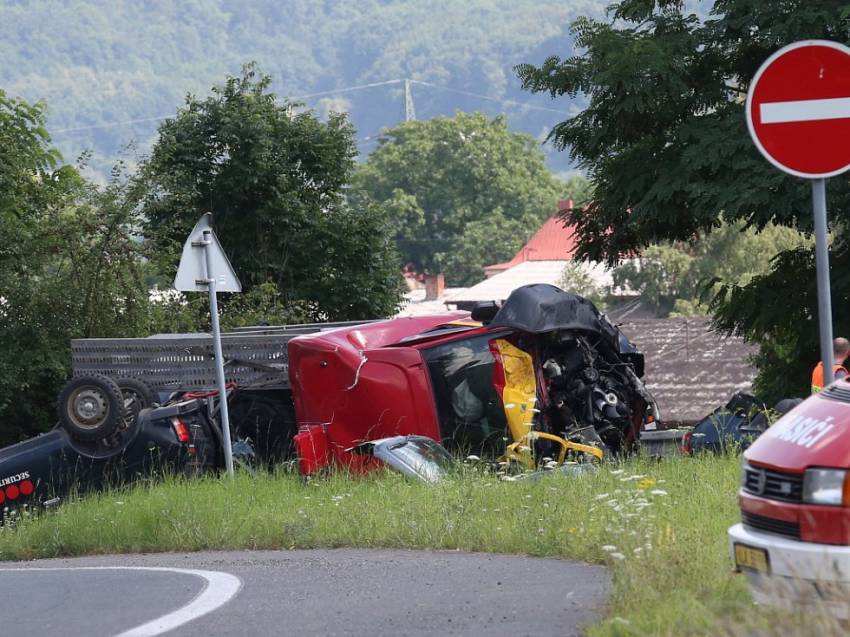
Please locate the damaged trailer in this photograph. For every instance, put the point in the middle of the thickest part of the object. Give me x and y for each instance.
(543, 379)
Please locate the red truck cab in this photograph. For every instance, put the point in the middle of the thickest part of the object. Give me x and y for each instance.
(793, 541)
(364, 383)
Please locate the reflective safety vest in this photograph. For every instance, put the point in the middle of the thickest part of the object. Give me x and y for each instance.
(817, 376)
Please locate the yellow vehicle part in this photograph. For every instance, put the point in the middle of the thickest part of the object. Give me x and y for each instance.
(465, 323)
(519, 398)
(520, 451)
(519, 395)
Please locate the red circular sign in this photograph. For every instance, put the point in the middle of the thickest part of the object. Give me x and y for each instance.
(798, 109)
(12, 492)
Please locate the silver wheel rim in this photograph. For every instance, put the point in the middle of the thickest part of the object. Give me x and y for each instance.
(88, 407)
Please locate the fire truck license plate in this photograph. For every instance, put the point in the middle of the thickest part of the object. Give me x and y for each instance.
(752, 558)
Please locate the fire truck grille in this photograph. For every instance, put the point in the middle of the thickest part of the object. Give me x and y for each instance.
(770, 525)
(774, 485)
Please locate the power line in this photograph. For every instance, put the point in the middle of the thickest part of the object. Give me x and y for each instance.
(408, 102)
(487, 97)
(159, 118)
(346, 89)
(111, 124)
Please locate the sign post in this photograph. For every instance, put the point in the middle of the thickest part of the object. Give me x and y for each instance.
(798, 114)
(205, 267)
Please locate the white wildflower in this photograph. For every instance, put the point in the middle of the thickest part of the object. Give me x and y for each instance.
(617, 472)
(618, 556)
(608, 548)
(658, 492)
(601, 496)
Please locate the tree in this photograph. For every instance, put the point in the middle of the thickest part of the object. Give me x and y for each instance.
(665, 144)
(68, 269)
(681, 278)
(576, 279)
(461, 191)
(274, 180)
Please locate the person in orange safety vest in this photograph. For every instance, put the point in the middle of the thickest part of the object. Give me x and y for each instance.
(840, 351)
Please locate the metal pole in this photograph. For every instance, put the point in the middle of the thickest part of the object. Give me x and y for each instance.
(409, 112)
(822, 260)
(219, 358)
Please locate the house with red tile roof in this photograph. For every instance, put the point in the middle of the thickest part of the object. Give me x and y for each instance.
(552, 242)
(541, 260)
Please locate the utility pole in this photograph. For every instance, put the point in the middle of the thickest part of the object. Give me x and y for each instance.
(409, 112)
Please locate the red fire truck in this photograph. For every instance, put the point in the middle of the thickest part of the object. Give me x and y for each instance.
(793, 541)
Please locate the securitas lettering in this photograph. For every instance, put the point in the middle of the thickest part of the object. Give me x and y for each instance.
(12, 479)
(802, 431)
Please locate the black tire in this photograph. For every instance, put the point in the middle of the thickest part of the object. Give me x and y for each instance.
(91, 407)
(137, 396)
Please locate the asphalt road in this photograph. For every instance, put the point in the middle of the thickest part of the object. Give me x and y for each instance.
(322, 592)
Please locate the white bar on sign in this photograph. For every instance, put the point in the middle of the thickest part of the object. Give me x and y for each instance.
(805, 110)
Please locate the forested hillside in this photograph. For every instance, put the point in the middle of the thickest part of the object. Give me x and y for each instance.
(100, 64)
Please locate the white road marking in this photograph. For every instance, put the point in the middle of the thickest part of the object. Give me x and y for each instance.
(219, 588)
(805, 110)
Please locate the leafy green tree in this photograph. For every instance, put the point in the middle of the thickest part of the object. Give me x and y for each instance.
(665, 144)
(274, 180)
(462, 192)
(576, 279)
(68, 269)
(681, 278)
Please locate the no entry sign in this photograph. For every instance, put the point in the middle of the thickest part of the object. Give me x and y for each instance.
(798, 109)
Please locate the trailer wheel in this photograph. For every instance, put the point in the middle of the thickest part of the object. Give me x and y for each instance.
(91, 407)
(137, 396)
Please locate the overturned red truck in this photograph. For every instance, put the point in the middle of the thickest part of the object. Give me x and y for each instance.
(543, 378)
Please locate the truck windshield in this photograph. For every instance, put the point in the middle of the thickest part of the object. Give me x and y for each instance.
(472, 418)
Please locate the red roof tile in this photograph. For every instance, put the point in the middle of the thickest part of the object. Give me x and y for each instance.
(552, 242)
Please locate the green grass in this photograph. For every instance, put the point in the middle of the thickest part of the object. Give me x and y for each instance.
(671, 570)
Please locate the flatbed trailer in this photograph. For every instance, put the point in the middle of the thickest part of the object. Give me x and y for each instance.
(255, 357)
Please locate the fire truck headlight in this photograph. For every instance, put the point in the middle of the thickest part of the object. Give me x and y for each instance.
(826, 486)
